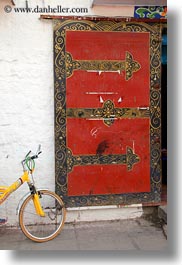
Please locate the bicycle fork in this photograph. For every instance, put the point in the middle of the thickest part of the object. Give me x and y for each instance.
(36, 200)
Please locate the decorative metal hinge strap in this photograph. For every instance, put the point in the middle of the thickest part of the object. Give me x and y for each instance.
(129, 159)
(108, 113)
(128, 65)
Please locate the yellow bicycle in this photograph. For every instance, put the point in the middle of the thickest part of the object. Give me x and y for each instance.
(41, 212)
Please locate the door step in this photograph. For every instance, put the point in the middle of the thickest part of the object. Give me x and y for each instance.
(103, 213)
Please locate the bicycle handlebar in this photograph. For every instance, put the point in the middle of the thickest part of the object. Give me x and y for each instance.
(36, 155)
(31, 158)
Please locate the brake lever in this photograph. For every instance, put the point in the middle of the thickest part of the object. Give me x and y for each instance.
(39, 149)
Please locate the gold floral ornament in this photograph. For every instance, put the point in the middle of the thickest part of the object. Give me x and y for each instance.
(108, 113)
(129, 65)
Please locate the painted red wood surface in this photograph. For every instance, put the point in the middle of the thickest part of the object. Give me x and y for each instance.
(108, 46)
(87, 137)
(88, 90)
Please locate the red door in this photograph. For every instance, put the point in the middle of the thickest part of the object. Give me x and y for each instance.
(106, 86)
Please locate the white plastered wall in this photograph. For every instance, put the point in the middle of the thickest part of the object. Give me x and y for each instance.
(27, 92)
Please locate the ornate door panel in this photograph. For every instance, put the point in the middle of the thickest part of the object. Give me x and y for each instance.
(107, 112)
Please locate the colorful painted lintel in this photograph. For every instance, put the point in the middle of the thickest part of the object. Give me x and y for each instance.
(150, 12)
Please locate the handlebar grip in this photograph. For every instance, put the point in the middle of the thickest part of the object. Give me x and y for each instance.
(28, 153)
(36, 156)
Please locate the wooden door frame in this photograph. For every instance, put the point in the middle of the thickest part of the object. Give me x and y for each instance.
(61, 152)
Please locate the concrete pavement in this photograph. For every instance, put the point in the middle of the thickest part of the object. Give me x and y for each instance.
(132, 234)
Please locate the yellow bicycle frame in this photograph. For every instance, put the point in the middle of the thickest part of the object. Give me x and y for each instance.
(5, 191)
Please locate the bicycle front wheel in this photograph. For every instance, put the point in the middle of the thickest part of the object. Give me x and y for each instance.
(42, 229)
